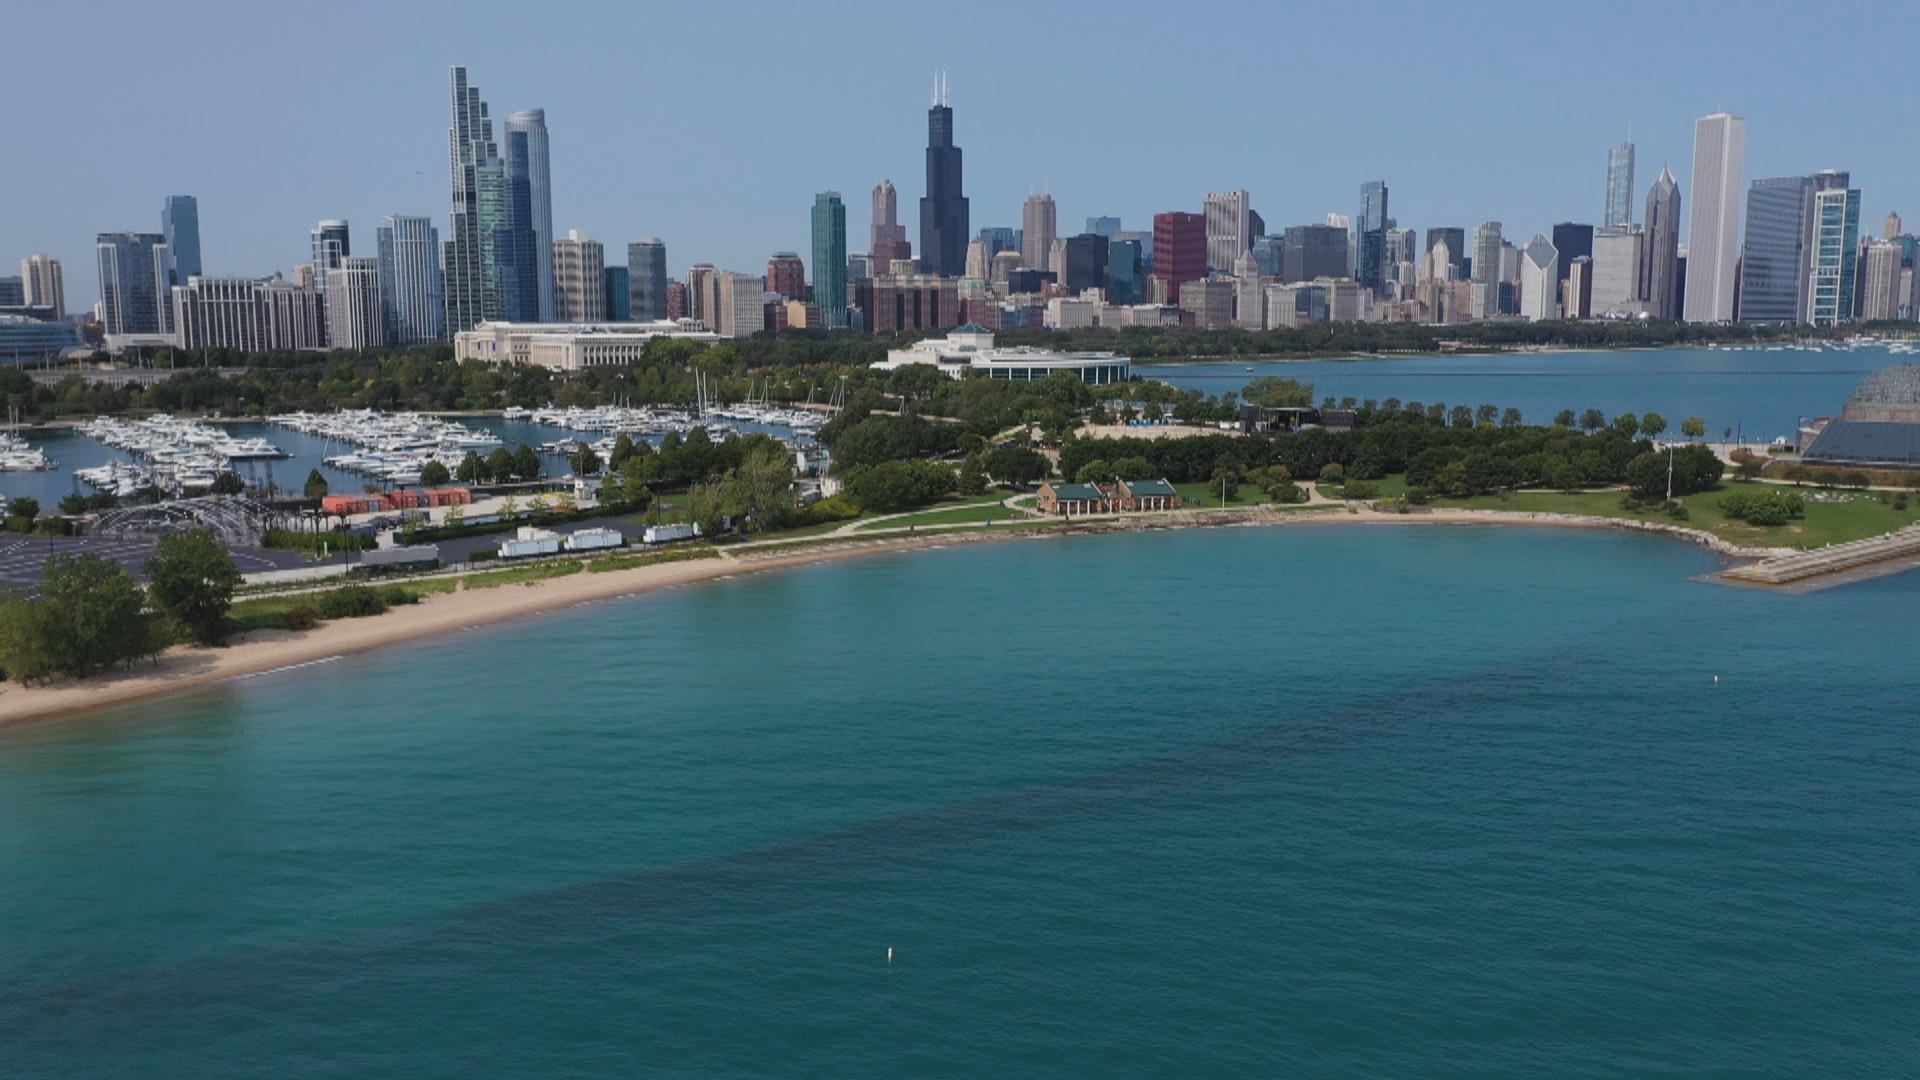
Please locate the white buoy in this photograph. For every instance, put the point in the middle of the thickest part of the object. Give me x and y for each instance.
(889, 954)
(1716, 680)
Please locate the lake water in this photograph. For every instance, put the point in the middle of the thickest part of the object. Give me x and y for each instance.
(1316, 801)
(1758, 393)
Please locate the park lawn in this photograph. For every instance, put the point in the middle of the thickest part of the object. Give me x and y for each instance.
(980, 509)
(631, 560)
(522, 575)
(1201, 495)
(270, 612)
(1862, 515)
(803, 531)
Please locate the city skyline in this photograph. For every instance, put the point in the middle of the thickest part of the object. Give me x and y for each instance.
(256, 206)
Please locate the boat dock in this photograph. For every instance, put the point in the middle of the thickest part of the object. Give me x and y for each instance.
(1834, 564)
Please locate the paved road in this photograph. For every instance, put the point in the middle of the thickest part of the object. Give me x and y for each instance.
(23, 558)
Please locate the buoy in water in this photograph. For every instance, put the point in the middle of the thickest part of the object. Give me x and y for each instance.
(1716, 680)
(889, 954)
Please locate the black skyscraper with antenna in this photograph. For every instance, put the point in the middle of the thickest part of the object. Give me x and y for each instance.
(943, 210)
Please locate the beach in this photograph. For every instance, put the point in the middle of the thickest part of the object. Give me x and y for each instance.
(265, 652)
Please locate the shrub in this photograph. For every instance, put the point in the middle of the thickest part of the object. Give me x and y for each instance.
(399, 596)
(1333, 473)
(351, 602)
(1765, 508)
(303, 617)
(1362, 489)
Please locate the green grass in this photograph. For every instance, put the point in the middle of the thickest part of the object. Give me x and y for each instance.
(523, 575)
(1201, 495)
(982, 509)
(1861, 516)
(609, 563)
(821, 529)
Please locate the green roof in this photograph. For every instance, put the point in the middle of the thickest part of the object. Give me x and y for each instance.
(1078, 492)
(1149, 487)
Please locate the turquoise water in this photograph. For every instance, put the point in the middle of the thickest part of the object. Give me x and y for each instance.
(1757, 393)
(1309, 801)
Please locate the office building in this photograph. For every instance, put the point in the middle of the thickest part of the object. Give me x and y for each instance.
(470, 148)
(572, 346)
(1660, 273)
(531, 124)
(1249, 296)
(1104, 225)
(1773, 260)
(330, 243)
(218, 313)
(1486, 270)
(1124, 272)
(410, 278)
(647, 279)
(1576, 293)
(1207, 304)
(180, 224)
(13, 292)
(830, 259)
(1269, 254)
(43, 285)
(679, 300)
(1038, 231)
(517, 243)
(887, 239)
(1883, 300)
(739, 303)
(913, 302)
(1831, 251)
(1713, 235)
(1618, 259)
(1572, 242)
(615, 299)
(579, 279)
(1539, 280)
(134, 286)
(1084, 262)
(1456, 243)
(1620, 185)
(356, 317)
(1311, 252)
(1229, 218)
(1179, 252)
(26, 340)
(943, 210)
(1371, 235)
(787, 275)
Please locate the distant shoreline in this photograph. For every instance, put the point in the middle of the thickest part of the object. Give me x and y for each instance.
(265, 652)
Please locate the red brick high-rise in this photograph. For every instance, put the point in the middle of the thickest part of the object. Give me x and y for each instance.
(787, 275)
(1179, 249)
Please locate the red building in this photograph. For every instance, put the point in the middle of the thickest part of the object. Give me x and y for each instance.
(888, 252)
(914, 302)
(787, 275)
(1179, 249)
(676, 299)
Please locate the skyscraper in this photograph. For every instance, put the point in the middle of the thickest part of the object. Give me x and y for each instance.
(45, 285)
(133, 282)
(943, 210)
(616, 300)
(886, 237)
(1179, 250)
(647, 279)
(516, 240)
(180, 224)
(355, 318)
(1620, 185)
(1229, 216)
(1539, 280)
(1085, 263)
(1104, 225)
(1883, 298)
(787, 275)
(830, 259)
(1572, 241)
(1713, 235)
(1372, 226)
(1773, 260)
(410, 278)
(1038, 230)
(1831, 261)
(1313, 251)
(533, 124)
(330, 243)
(1486, 270)
(1456, 241)
(579, 271)
(1618, 257)
(1659, 277)
(470, 147)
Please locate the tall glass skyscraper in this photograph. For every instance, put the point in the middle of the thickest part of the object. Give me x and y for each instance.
(1620, 185)
(180, 224)
(532, 123)
(647, 279)
(1831, 256)
(1773, 261)
(514, 245)
(470, 148)
(830, 258)
(943, 209)
(1372, 227)
(410, 279)
(1660, 266)
(618, 301)
(331, 244)
(134, 286)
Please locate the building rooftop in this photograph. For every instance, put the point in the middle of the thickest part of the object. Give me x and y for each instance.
(1867, 442)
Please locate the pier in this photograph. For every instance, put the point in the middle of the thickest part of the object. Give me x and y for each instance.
(1858, 555)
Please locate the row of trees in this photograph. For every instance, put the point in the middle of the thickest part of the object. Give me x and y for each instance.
(91, 614)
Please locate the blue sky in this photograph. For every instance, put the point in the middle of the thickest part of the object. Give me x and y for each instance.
(713, 126)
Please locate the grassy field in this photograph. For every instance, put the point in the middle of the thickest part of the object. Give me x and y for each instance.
(959, 512)
(1201, 495)
(1859, 516)
(608, 563)
(522, 575)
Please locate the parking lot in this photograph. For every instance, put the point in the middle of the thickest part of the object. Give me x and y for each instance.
(23, 558)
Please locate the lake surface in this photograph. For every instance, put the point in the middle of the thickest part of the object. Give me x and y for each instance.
(1758, 393)
(1367, 801)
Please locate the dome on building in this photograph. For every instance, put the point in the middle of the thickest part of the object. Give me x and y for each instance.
(1890, 395)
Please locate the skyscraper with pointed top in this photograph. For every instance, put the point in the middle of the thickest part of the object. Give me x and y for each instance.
(1660, 266)
(1620, 185)
(943, 209)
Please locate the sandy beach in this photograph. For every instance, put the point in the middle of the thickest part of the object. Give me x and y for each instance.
(265, 652)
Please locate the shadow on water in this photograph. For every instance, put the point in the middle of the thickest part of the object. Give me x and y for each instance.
(769, 878)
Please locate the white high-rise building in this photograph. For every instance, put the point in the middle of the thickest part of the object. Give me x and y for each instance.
(1249, 295)
(45, 286)
(1038, 229)
(219, 313)
(356, 314)
(1883, 300)
(410, 279)
(1713, 234)
(533, 124)
(579, 264)
(1617, 256)
(1229, 217)
(1539, 280)
(739, 301)
(1486, 271)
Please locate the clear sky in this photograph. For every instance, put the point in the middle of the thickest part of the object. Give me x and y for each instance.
(713, 125)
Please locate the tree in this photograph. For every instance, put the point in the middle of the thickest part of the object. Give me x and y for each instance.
(526, 463)
(1134, 467)
(1652, 424)
(1563, 419)
(1592, 420)
(1693, 427)
(472, 469)
(1512, 418)
(92, 615)
(191, 579)
(761, 488)
(1627, 424)
(622, 450)
(434, 474)
(500, 465)
(1097, 471)
(1333, 474)
(316, 487)
(228, 483)
(1461, 417)
(21, 513)
(973, 477)
(1017, 464)
(1486, 414)
(585, 461)
(1275, 392)
(1224, 482)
